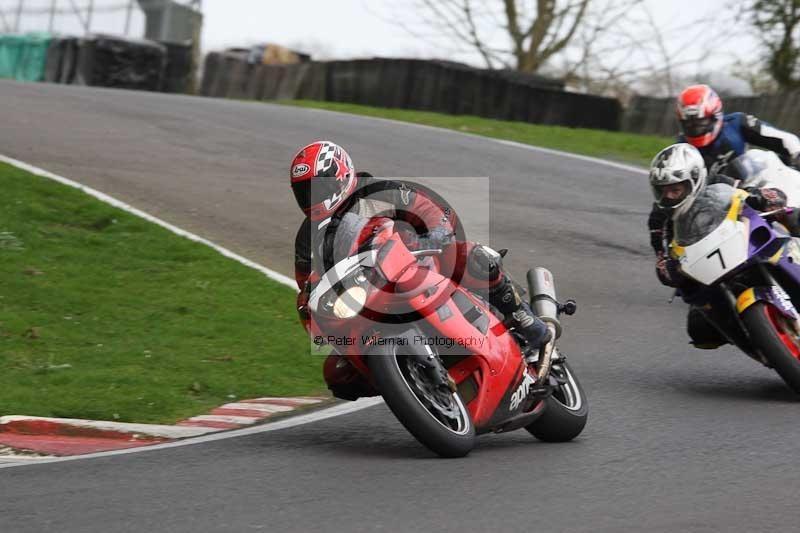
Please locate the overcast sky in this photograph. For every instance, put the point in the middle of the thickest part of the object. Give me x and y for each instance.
(355, 28)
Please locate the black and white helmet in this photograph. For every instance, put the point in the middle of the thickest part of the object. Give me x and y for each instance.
(677, 164)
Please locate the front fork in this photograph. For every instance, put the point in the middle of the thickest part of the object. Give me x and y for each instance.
(546, 382)
(773, 294)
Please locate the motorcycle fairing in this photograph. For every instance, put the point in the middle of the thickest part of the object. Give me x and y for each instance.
(721, 250)
(771, 294)
(435, 306)
(768, 270)
(741, 238)
(338, 272)
(494, 354)
(763, 168)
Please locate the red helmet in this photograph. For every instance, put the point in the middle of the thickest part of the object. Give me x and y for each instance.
(700, 114)
(323, 177)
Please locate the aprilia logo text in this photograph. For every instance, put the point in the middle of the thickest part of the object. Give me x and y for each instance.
(522, 391)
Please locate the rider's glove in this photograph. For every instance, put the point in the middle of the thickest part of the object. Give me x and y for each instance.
(302, 305)
(436, 238)
(766, 199)
(668, 271)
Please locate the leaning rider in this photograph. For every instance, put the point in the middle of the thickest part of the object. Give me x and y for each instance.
(326, 185)
(678, 175)
(721, 138)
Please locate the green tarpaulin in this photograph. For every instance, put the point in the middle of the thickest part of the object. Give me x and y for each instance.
(23, 57)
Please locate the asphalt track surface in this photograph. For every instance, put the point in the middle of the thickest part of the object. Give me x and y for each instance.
(677, 439)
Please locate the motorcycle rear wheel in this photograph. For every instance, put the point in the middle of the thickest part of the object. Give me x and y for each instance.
(420, 407)
(566, 411)
(772, 335)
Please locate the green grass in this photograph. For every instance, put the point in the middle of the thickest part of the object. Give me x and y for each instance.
(625, 147)
(106, 316)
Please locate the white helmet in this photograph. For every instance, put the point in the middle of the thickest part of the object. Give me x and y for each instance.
(677, 164)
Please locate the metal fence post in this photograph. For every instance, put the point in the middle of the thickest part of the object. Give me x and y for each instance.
(18, 20)
(52, 16)
(90, 12)
(128, 15)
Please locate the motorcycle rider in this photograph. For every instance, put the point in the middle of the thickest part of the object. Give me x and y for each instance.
(326, 184)
(722, 138)
(678, 175)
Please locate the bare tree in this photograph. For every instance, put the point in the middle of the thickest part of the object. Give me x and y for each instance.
(623, 49)
(533, 32)
(778, 24)
(588, 43)
(756, 75)
(610, 47)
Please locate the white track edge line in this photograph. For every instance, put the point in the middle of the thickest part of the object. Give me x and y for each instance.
(316, 416)
(515, 144)
(276, 276)
(103, 197)
(280, 278)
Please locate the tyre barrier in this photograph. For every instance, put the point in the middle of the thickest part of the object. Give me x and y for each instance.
(98, 60)
(106, 61)
(178, 71)
(24, 57)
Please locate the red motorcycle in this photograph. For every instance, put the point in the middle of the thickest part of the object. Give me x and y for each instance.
(442, 358)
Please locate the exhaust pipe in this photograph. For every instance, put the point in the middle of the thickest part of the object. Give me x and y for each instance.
(543, 297)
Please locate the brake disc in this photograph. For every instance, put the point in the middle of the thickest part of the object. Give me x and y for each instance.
(434, 397)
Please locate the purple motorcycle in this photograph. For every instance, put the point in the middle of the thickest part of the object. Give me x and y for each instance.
(747, 269)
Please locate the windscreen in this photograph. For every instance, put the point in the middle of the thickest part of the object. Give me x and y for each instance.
(704, 216)
(338, 240)
(746, 168)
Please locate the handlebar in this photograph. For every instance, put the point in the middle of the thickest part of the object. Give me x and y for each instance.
(426, 253)
(776, 212)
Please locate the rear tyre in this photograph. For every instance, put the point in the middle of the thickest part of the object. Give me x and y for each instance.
(773, 336)
(435, 416)
(566, 411)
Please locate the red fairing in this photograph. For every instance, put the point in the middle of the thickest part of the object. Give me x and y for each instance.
(498, 360)
(485, 356)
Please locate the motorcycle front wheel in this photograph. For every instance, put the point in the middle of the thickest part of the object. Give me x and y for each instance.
(774, 337)
(433, 414)
(566, 410)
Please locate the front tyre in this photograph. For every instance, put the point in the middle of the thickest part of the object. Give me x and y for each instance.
(435, 416)
(566, 411)
(774, 337)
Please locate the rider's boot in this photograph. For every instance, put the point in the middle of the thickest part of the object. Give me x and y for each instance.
(487, 264)
(505, 297)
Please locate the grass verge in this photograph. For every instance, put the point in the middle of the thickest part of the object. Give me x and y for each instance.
(624, 147)
(106, 316)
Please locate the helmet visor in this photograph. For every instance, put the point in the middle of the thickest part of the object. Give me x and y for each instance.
(672, 194)
(320, 190)
(697, 127)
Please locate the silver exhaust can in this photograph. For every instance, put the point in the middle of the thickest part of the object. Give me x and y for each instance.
(543, 296)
